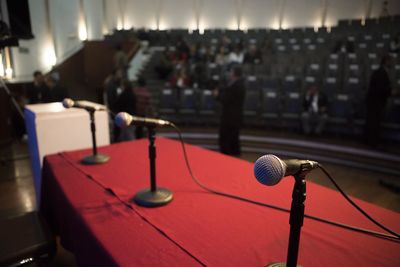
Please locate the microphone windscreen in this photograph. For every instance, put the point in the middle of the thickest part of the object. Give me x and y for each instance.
(123, 119)
(269, 169)
(68, 103)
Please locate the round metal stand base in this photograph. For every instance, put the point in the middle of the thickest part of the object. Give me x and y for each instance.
(150, 199)
(95, 159)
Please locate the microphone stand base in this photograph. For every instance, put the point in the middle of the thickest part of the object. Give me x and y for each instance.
(279, 264)
(95, 159)
(152, 199)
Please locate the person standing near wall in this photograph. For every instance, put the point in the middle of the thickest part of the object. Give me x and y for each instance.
(378, 93)
(232, 100)
(126, 102)
(54, 91)
(37, 89)
(143, 104)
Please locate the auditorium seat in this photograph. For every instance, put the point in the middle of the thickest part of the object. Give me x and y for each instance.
(353, 70)
(251, 106)
(354, 87)
(330, 86)
(340, 112)
(188, 101)
(270, 106)
(291, 109)
(207, 107)
(392, 112)
(168, 100)
(309, 81)
(314, 69)
(253, 83)
(291, 83)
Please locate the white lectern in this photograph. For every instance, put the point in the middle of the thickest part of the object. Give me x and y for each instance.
(51, 129)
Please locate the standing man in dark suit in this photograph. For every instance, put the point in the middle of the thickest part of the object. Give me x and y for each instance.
(377, 95)
(232, 99)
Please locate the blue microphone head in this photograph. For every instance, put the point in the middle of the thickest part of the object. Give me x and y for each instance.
(123, 119)
(269, 169)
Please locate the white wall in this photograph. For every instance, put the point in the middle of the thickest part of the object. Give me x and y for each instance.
(71, 20)
(94, 19)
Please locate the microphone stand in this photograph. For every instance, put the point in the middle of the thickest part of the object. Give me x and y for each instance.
(95, 158)
(296, 217)
(16, 105)
(153, 196)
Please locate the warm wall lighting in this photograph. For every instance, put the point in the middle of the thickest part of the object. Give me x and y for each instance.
(275, 25)
(9, 73)
(82, 32)
(49, 58)
(119, 25)
(2, 72)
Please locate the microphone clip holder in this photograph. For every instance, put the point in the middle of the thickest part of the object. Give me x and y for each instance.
(153, 196)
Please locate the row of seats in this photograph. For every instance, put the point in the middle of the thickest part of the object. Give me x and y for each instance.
(369, 30)
(264, 106)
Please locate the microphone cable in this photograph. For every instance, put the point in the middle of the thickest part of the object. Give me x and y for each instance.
(392, 237)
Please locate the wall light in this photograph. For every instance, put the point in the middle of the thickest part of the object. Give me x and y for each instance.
(82, 32)
(49, 58)
(2, 72)
(9, 73)
(119, 25)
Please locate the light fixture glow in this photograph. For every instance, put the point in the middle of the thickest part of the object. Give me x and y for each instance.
(49, 58)
(82, 32)
(1, 66)
(119, 25)
(9, 73)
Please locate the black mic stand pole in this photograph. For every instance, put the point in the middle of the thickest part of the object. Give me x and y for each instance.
(15, 103)
(153, 196)
(296, 218)
(95, 158)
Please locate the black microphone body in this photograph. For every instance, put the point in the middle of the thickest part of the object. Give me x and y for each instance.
(294, 166)
(123, 120)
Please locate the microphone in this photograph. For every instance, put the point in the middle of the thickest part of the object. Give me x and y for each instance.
(269, 169)
(69, 103)
(123, 120)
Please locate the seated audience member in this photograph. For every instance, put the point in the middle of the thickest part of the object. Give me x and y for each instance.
(164, 66)
(253, 56)
(199, 75)
(181, 80)
(343, 46)
(37, 89)
(111, 85)
(182, 50)
(221, 57)
(314, 115)
(395, 44)
(143, 104)
(54, 92)
(126, 102)
(236, 56)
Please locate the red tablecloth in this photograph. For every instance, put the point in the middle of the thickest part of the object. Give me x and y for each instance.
(197, 227)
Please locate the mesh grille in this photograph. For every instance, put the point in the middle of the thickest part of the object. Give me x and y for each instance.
(269, 170)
